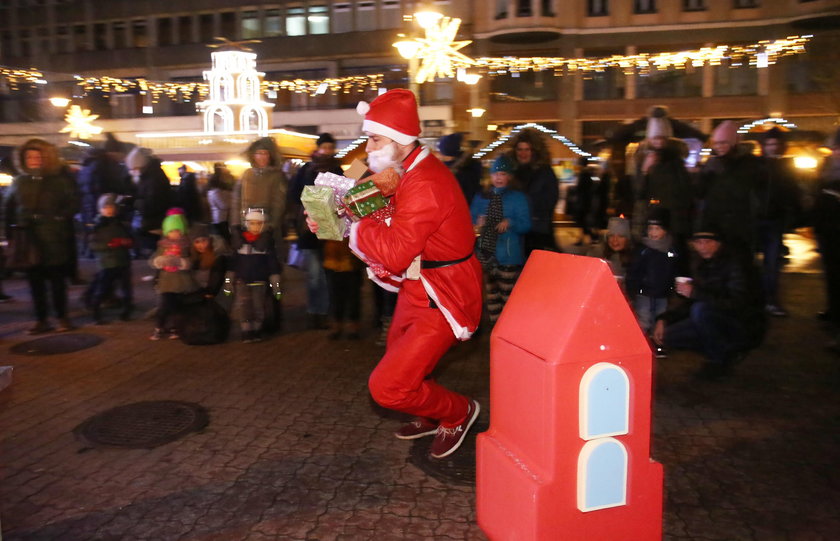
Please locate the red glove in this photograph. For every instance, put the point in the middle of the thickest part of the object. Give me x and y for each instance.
(114, 243)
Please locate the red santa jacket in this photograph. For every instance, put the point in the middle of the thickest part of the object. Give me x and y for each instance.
(431, 219)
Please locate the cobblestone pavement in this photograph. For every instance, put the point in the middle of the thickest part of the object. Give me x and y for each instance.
(296, 450)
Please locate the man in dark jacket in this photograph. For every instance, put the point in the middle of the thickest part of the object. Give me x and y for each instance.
(722, 315)
(778, 199)
(317, 293)
(535, 177)
(466, 169)
(728, 184)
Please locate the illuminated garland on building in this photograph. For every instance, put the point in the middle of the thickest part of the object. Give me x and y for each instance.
(758, 54)
(774, 120)
(516, 129)
(356, 143)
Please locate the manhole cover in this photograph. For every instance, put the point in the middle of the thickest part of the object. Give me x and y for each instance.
(58, 343)
(457, 468)
(143, 425)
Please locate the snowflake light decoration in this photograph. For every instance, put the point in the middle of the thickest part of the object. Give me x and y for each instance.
(80, 123)
(439, 51)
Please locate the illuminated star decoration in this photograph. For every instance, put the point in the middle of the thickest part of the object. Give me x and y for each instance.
(439, 51)
(80, 123)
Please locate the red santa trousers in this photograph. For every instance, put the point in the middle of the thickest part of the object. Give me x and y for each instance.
(418, 338)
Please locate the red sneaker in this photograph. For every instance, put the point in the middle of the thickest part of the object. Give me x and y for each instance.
(448, 439)
(417, 428)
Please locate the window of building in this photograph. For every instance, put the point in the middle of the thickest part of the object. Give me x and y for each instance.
(139, 33)
(604, 85)
(164, 31)
(250, 24)
(365, 16)
(602, 475)
(318, 18)
(295, 22)
(273, 23)
(79, 37)
(694, 5)
(342, 17)
(523, 8)
(501, 9)
(740, 4)
(185, 34)
(227, 24)
(120, 28)
(683, 83)
(25, 42)
(99, 37)
(6, 49)
(604, 402)
(546, 8)
(524, 86)
(739, 80)
(644, 6)
(205, 28)
(390, 14)
(598, 8)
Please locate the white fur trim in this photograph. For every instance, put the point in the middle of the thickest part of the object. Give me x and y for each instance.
(362, 108)
(354, 241)
(420, 157)
(384, 285)
(381, 129)
(461, 333)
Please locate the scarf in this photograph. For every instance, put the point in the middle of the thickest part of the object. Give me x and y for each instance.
(489, 235)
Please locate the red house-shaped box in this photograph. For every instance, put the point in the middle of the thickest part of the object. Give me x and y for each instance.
(567, 455)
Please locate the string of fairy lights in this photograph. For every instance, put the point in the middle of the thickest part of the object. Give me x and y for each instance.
(530, 125)
(759, 54)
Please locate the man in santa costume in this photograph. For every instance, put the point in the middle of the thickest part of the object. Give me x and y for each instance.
(426, 249)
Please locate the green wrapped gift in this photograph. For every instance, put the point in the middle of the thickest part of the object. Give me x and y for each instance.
(364, 199)
(319, 202)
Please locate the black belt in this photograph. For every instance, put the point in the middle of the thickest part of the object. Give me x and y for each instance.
(426, 264)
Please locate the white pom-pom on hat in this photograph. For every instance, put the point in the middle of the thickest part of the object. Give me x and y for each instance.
(362, 108)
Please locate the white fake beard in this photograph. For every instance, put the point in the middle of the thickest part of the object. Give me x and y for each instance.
(385, 157)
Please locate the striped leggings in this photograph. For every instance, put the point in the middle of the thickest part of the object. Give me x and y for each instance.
(498, 283)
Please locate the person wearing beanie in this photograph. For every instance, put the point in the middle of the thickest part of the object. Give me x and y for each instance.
(254, 276)
(727, 190)
(153, 196)
(722, 315)
(323, 160)
(426, 252)
(650, 278)
(826, 216)
(501, 217)
(175, 279)
(467, 170)
(779, 209)
(42, 199)
(535, 177)
(617, 251)
(111, 241)
(662, 180)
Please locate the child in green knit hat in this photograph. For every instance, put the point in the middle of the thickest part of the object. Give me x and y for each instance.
(175, 279)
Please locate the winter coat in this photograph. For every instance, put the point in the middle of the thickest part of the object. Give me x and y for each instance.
(306, 177)
(209, 269)
(254, 260)
(619, 262)
(509, 245)
(188, 197)
(826, 211)
(219, 201)
(540, 185)
(45, 202)
(467, 171)
(175, 274)
(728, 187)
(100, 175)
(339, 258)
(154, 196)
(729, 285)
(669, 183)
(653, 269)
(778, 195)
(260, 188)
(431, 219)
(104, 231)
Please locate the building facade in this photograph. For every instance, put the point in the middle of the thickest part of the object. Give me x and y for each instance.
(319, 39)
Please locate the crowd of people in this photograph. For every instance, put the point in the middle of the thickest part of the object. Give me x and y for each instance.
(685, 255)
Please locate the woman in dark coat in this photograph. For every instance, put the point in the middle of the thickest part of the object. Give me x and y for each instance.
(153, 196)
(43, 199)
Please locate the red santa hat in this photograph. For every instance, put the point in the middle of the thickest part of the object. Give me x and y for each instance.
(393, 115)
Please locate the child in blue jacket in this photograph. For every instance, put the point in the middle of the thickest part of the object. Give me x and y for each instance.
(502, 217)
